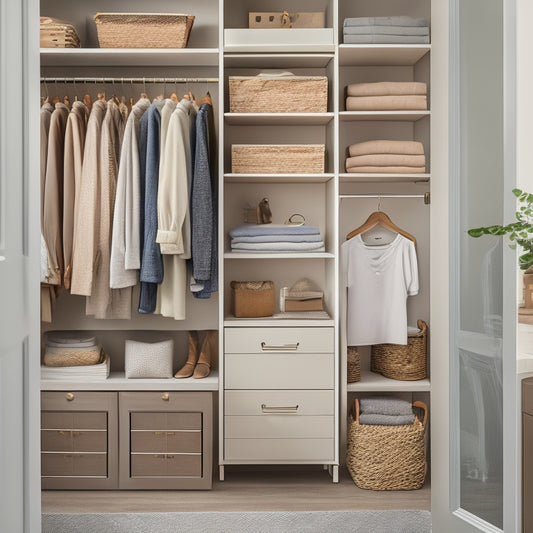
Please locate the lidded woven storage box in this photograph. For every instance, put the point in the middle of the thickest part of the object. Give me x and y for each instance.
(252, 299)
(289, 94)
(55, 33)
(402, 362)
(388, 457)
(278, 158)
(143, 30)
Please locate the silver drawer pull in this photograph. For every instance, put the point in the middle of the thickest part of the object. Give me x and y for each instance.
(279, 409)
(279, 347)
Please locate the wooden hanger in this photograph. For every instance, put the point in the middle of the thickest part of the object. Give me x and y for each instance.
(87, 100)
(207, 99)
(174, 97)
(382, 219)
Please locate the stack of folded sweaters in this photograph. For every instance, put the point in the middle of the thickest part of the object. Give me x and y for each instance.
(275, 238)
(381, 411)
(386, 96)
(386, 157)
(386, 30)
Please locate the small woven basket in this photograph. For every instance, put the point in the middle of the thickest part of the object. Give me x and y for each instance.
(143, 30)
(387, 457)
(354, 365)
(402, 362)
(55, 33)
(252, 299)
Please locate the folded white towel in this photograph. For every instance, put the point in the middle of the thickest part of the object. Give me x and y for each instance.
(385, 21)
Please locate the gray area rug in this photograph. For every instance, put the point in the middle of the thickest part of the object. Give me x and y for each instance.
(245, 522)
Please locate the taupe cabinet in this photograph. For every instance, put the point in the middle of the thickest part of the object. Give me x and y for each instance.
(126, 440)
(527, 455)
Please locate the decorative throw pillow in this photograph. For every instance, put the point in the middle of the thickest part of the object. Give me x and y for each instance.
(149, 359)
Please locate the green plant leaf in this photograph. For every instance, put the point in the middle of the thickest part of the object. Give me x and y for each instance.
(476, 232)
(517, 192)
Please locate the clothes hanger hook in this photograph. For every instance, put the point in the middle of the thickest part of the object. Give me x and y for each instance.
(379, 202)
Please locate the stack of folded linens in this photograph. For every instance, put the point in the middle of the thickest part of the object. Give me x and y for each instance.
(276, 238)
(382, 411)
(386, 96)
(304, 295)
(386, 30)
(386, 157)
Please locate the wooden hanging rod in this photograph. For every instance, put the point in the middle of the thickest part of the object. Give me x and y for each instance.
(129, 80)
(425, 196)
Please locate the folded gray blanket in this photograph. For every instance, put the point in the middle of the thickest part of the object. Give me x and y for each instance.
(385, 21)
(386, 420)
(386, 30)
(385, 406)
(277, 246)
(285, 238)
(386, 39)
(250, 230)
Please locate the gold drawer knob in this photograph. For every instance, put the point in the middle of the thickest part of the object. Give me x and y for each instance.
(165, 396)
(69, 396)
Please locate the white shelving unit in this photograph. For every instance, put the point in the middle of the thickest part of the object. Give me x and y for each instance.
(278, 119)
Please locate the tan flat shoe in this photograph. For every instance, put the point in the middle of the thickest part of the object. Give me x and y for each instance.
(207, 355)
(187, 369)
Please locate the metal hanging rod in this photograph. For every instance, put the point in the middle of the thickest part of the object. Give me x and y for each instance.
(425, 196)
(129, 80)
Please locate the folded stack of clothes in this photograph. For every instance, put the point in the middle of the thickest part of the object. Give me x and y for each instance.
(386, 96)
(386, 30)
(386, 157)
(276, 238)
(304, 295)
(71, 355)
(382, 411)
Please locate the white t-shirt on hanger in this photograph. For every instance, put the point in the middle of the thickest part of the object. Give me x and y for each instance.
(379, 279)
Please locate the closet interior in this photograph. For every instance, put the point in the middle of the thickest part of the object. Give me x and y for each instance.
(280, 362)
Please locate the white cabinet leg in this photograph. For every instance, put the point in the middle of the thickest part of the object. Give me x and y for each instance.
(335, 473)
(325, 467)
(221, 472)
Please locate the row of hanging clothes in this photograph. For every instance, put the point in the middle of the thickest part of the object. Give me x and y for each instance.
(129, 197)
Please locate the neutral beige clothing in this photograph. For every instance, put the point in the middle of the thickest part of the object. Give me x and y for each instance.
(387, 170)
(386, 160)
(386, 147)
(46, 115)
(386, 88)
(387, 103)
(73, 165)
(53, 193)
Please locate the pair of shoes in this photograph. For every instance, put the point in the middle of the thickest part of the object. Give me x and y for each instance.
(198, 364)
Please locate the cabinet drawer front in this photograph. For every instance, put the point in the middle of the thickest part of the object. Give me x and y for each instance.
(308, 402)
(74, 464)
(266, 340)
(73, 420)
(55, 440)
(166, 441)
(159, 421)
(279, 371)
(279, 427)
(279, 450)
(162, 464)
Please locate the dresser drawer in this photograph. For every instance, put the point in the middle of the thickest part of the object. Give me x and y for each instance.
(74, 465)
(166, 441)
(279, 450)
(69, 440)
(165, 464)
(279, 371)
(281, 340)
(160, 421)
(73, 420)
(279, 427)
(294, 402)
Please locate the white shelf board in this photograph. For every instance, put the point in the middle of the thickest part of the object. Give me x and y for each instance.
(277, 60)
(278, 119)
(383, 178)
(281, 321)
(129, 57)
(381, 54)
(370, 381)
(318, 255)
(278, 178)
(408, 116)
(117, 382)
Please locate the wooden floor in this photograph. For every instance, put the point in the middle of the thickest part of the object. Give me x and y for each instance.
(308, 489)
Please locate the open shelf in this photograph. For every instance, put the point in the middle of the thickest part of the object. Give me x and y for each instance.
(238, 255)
(278, 119)
(128, 57)
(381, 54)
(286, 60)
(409, 116)
(117, 382)
(278, 320)
(278, 178)
(383, 178)
(370, 381)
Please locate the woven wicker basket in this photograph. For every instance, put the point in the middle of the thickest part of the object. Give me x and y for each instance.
(402, 362)
(387, 457)
(55, 33)
(277, 158)
(354, 365)
(252, 299)
(143, 30)
(298, 94)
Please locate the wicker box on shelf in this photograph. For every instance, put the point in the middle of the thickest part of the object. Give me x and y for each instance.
(278, 158)
(291, 94)
(353, 364)
(252, 299)
(55, 33)
(387, 457)
(402, 362)
(143, 30)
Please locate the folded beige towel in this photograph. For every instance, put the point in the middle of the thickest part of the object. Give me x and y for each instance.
(386, 170)
(386, 147)
(386, 160)
(386, 88)
(386, 103)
